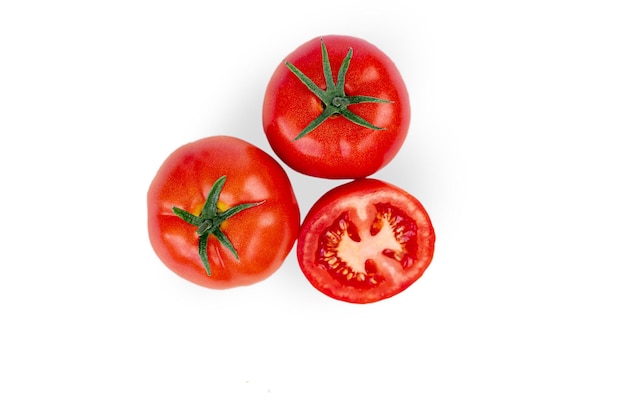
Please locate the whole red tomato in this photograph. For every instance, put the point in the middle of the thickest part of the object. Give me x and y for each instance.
(222, 213)
(365, 241)
(337, 108)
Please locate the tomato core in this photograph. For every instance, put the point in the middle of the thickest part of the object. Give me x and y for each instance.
(361, 255)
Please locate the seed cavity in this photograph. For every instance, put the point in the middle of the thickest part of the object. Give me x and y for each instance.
(339, 247)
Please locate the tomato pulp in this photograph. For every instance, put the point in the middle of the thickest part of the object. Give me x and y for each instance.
(337, 108)
(365, 241)
(222, 213)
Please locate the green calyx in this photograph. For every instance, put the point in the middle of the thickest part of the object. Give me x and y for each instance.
(210, 220)
(334, 98)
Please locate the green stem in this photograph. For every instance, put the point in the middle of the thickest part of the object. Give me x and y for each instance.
(210, 220)
(334, 98)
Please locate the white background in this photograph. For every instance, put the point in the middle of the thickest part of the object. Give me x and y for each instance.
(516, 148)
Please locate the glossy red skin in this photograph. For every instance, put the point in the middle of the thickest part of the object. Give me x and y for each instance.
(338, 148)
(262, 235)
(362, 194)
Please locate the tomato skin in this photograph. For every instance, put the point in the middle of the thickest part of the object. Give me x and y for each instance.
(361, 201)
(338, 148)
(262, 235)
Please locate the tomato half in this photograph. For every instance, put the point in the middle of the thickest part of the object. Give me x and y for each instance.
(365, 241)
(336, 108)
(222, 213)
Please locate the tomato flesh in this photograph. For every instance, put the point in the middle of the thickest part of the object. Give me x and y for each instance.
(365, 241)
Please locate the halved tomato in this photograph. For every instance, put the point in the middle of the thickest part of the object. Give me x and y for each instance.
(365, 241)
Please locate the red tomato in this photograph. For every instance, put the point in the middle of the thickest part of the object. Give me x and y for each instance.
(222, 213)
(337, 108)
(365, 241)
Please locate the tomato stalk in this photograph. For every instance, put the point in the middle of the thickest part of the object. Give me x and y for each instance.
(334, 97)
(210, 220)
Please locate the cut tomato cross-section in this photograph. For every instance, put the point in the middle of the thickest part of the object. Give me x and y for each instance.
(365, 241)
